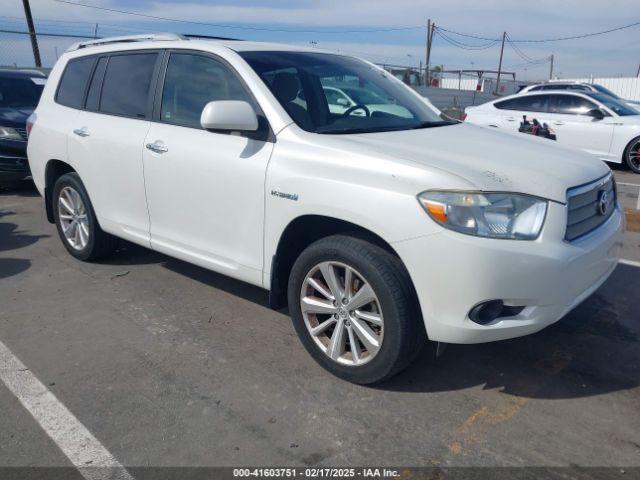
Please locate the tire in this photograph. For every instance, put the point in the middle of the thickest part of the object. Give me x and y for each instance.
(398, 333)
(91, 242)
(633, 163)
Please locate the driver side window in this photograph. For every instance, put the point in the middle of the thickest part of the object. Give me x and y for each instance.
(191, 82)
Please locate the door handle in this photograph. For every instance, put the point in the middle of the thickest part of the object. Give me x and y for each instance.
(157, 147)
(511, 119)
(82, 132)
(558, 123)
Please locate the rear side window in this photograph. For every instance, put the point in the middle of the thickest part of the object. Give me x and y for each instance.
(191, 82)
(126, 85)
(74, 82)
(532, 103)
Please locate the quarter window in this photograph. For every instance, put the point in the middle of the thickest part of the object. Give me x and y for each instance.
(191, 82)
(126, 84)
(93, 97)
(531, 103)
(74, 81)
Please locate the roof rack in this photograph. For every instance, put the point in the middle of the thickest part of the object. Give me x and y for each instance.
(125, 39)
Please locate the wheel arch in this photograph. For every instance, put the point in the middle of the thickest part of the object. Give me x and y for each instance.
(625, 151)
(54, 169)
(301, 232)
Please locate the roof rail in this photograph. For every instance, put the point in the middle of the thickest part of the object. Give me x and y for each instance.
(208, 37)
(125, 39)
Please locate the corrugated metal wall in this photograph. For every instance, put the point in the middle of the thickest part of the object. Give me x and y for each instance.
(626, 87)
(444, 98)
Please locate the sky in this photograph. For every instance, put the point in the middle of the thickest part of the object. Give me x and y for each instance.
(347, 26)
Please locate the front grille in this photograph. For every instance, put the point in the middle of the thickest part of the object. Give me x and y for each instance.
(588, 208)
(22, 132)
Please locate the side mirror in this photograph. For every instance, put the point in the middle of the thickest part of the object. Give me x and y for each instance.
(596, 113)
(229, 116)
(343, 102)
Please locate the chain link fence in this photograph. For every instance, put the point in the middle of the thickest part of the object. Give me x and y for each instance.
(16, 51)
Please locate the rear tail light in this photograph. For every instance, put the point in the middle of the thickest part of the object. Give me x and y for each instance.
(463, 117)
(30, 123)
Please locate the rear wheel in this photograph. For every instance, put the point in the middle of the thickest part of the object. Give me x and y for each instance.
(632, 155)
(76, 221)
(354, 309)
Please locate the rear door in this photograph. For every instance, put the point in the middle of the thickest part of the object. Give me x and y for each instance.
(574, 128)
(107, 140)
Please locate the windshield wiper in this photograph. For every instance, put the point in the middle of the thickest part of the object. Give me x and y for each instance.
(440, 123)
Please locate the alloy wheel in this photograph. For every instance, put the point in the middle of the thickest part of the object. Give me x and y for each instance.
(342, 313)
(634, 156)
(74, 221)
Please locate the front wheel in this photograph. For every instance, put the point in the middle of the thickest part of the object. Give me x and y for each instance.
(632, 155)
(354, 309)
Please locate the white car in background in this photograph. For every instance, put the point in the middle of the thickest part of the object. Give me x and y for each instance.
(351, 100)
(593, 122)
(581, 87)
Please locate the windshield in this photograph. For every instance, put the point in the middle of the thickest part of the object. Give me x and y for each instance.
(606, 91)
(614, 104)
(20, 92)
(325, 93)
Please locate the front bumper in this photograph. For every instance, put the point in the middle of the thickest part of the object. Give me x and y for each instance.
(452, 272)
(13, 161)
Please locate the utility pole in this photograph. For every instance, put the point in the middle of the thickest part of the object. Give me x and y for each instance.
(551, 69)
(95, 31)
(504, 36)
(32, 33)
(428, 56)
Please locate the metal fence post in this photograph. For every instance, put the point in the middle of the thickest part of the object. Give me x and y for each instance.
(32, 33)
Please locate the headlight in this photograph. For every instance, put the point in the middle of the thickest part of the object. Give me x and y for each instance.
(493, 215)
(8, 133)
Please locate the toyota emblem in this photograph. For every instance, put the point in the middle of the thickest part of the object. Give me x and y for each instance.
(603, 202)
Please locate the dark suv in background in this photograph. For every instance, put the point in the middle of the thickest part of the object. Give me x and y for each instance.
(19, 95)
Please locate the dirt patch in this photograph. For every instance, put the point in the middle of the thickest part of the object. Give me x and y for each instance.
(633, 219)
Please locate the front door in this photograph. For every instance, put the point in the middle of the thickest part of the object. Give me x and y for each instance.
(205, 190)
(574, 128)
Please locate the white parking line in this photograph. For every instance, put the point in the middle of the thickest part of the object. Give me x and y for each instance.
(83, 449)
(629, 262)
(633, 185)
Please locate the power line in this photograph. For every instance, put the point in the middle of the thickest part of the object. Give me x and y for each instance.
(524, 56)
(465, 46)
(238, 27)
(543, 40)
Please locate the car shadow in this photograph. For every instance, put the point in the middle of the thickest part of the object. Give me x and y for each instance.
(11, 238)
(229, 285)
(595, 349)
(25, 188)
(132, 254)
(13, 266)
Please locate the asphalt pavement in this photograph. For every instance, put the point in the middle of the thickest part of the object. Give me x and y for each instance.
(166, 364)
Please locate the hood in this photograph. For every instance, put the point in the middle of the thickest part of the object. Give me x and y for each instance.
(15, 116)
(488, 159)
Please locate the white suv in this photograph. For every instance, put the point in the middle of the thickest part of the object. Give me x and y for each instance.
(378, 230)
